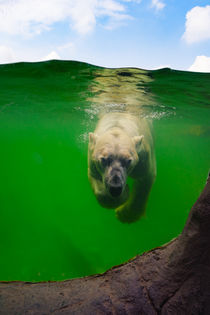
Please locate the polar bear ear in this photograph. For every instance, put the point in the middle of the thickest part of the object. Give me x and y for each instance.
(137, 141)
(92, 138)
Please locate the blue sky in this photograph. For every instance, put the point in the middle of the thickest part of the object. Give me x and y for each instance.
(147, 34)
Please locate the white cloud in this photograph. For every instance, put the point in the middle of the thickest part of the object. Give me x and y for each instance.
(52, 55)
(29, 17)
(116, 20)
(137, 1)
(68, 46)
(200, 64)
(197, 26)
(68, 50)
(6, 55)
(161, 66)
(157, 4)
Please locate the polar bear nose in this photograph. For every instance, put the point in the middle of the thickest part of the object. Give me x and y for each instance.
(115, 182)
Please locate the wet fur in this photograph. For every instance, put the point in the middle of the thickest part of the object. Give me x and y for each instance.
(122, 134)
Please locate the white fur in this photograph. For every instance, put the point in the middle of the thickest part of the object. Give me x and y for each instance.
(123, 135)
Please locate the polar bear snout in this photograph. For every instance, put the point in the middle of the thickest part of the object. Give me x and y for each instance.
(115, 182)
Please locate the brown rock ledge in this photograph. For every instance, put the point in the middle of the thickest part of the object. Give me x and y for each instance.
(171, 279)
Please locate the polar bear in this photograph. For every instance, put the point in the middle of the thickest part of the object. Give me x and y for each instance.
(122, 146)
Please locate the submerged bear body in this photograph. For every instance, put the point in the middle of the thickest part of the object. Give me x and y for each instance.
(122, 146)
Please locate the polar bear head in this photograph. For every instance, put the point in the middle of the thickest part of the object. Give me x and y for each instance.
(114, 154)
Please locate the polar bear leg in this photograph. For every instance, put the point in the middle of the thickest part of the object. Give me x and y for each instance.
(135, 207)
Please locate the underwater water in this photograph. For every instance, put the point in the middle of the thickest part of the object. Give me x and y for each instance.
(51, 226)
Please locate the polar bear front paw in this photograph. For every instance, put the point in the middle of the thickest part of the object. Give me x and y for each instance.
(125, 214)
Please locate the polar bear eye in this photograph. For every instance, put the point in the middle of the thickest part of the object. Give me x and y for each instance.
(106, 161)
(126, 162)
(103, 161)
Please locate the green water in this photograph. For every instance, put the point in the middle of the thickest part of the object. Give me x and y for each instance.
(51, 226)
